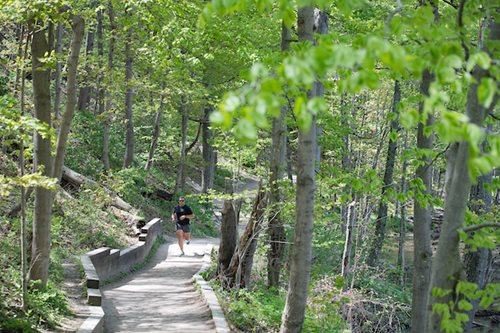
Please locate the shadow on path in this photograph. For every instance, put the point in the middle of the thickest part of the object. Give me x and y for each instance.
(161, 297)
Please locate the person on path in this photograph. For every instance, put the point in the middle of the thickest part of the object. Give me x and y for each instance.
(181, 216)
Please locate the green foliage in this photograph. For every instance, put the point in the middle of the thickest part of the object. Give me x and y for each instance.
(254, 311)
(454, 314)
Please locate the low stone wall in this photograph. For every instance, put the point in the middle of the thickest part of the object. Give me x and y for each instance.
(105, 263)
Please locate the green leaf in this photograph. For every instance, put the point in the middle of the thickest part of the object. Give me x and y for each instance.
(486, 91)
(464, 305)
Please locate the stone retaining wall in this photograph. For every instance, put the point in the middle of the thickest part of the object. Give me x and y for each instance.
(105, 263)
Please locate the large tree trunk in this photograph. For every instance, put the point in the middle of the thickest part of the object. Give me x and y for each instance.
(57, 75)
(478, 263)
(379, 236)
(84, 97)
(129, 141)
(109, 105)
(78, 27)
(156, 131)
(237, 275)
(447, 267)
(228, 236)
(181, 173)
(422, 251)
(42, 159)
(300, 258)
(209, 163)
(276, 171)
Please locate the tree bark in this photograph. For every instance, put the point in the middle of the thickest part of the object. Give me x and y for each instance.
(300, 258)
(156, 132)
(478, 263)
(42, 160)
(84, 96)
(100, 55)
(78, 26)
(422, 250)
(57, 75)
(237, 275)
(381, 221)
(109, 105)
(447, 268)
(228, 236)
(129, 140)
(209, 164)
(276, 228)
(402, 216)
(181, 173)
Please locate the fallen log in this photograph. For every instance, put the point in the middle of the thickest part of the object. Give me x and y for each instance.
(77, 180)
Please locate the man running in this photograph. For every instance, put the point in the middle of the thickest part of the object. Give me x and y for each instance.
(181, 216)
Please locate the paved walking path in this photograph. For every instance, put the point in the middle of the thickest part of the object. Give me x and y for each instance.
(161, 297)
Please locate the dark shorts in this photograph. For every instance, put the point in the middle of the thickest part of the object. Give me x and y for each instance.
(183, 227)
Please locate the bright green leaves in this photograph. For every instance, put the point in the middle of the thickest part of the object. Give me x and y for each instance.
(486, 91)
(452, 314)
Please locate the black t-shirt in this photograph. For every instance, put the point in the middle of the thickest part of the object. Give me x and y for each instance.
(180, 211)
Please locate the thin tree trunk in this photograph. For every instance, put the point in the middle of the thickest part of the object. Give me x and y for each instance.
(237, 275)
(129, 141)
(24, 250)
(300, 258)
(42, 160)
(57, 76)
(402, 216)
(100, 56)
(276, 229)
(209, 163)
(84, 96)
(156, 132)
(422, 251)
(109, 105)
(78, 26)
(346, 256)
(181, 177)
(379, 237)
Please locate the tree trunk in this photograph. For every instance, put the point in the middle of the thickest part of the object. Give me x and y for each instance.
(129, 141)
(346, 256)
(237, 275)
(422, 251)
(181, 173)
(209, 164)
(402, 216)
(228, 236)
(57, 75)
(276, 165)
(478, 263)
(379, 236)
(447, 267)
(109, 105)
(300, 258)
(100, 55)
(78, 26)
(84, 97)
(42, 160)
(156, 131)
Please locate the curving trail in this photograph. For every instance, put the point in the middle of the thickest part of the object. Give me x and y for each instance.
(161, 297)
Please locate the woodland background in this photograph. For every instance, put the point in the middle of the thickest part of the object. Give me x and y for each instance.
(372, 127)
